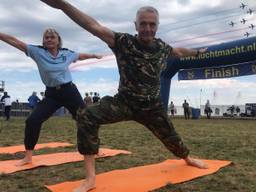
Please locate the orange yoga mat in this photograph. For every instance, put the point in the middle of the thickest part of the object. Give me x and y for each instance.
(18, 148)
(144, 178)
(9, 166)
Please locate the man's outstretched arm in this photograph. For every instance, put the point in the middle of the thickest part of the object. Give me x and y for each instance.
(183, 52)
(84, 20)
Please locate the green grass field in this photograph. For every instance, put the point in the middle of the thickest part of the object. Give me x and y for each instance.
(233, 140)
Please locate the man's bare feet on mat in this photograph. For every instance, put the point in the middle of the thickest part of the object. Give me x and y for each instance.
(196, 163)
(85, 186)
(24, 161)
(100, 153)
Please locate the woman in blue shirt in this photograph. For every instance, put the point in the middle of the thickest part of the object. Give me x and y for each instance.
(53, 62)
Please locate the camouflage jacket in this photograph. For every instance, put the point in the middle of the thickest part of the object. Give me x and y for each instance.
(139, 66)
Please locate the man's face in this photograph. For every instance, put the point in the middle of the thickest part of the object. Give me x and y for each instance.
(146, 26)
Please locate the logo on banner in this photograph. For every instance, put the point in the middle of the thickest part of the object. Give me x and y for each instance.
(191, 75)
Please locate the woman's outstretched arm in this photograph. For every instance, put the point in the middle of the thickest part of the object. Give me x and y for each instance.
(13, 41)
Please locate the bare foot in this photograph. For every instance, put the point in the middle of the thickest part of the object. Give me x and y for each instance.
(100, 153)
(24, 161)
(27, 159)
(196, 163)
(86, 186)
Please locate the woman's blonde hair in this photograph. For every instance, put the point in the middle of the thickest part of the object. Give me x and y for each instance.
(51, 30)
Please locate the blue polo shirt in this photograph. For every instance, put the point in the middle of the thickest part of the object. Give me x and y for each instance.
(53, 70)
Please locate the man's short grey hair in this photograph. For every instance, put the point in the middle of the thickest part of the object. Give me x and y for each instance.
(147, 9)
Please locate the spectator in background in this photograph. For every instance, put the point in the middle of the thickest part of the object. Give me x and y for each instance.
(6, 100)
(238, 110)
(95, 97)
(33, 100)
(42, 94)
(172, 108)
(232, 110)
(185, 106)
(87, 99)
(207, 109)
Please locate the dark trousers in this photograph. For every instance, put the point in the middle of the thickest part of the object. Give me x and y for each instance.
(114, 109)
(186, 113)
(7, 110)
(208, 112)
(66, 95)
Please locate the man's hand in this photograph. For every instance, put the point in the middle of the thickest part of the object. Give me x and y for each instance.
(199, 51)
(54, 3)
(184, 52)
(203, 50)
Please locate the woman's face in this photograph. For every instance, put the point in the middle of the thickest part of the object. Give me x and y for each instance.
(51, 40)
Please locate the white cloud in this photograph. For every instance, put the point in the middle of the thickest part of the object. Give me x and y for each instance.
(106, 62)
(22, 90)
(102, 86)
(215, 83)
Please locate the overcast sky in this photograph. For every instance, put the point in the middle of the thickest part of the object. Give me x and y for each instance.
(179, 20)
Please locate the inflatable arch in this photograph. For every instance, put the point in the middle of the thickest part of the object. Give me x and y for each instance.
(237, 52)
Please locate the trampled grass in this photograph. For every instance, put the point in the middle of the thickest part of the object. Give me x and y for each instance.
(233, 140)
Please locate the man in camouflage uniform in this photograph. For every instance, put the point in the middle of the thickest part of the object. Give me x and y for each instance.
(140, 59)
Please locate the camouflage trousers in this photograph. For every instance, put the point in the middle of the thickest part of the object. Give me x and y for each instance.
(150, 113)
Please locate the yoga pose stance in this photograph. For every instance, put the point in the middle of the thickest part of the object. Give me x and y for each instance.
(52, 61)
(140, 59)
